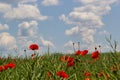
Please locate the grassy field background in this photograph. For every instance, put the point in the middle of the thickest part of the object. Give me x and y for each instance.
(45, 67)
(59, 66)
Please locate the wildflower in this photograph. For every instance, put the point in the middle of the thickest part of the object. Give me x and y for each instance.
(70, 64)
(70, 59)
(48, 73)
(87, 74)
(9, 65)
(62, 74)
(34, 47)
(95, 55)
(100, 74)
(84, 52)
(64, 58)
(1, 68)
(87, 79)
(77, 52)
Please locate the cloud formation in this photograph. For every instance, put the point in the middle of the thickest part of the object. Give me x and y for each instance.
(50, 2)
(7, 41)
(87, 18)
(28, 29)
(18, 1)
(21, 12)
(4, 7)
(24, 11)
(4, 27)
(46, 42)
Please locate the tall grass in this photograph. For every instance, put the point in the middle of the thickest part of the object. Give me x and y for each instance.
(105, 68)
(29, 69)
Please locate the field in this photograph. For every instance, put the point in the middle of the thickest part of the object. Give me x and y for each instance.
(81, 65)
(47, 67)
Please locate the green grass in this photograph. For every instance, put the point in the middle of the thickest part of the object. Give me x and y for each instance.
(28, 69)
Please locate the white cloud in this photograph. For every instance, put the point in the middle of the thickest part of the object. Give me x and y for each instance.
(4, 7)
(86, 33)
(87, 18)
(104, 32)
(68, 44)
(4, 27)
(46, 42)
(50, 2)
(7, 41)
(18, 1)
(26, 1)
(27, 28)
(24, 11)
(72, 31)
(97, 2)
(103, 48)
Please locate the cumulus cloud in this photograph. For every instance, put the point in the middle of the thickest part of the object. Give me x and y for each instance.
(4, 7)
(85, 32)
(7, 41)
(69, 44)
(4, 27)
(104, 32)
(27, 28)
(20, 12)
(18, 1)
(72, 31)
(87, 18)
(46, 42)
(50, 2)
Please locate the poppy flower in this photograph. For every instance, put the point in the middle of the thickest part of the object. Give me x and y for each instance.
(87, 79)
(62, 74)
(64, 58)
(100, 74)
(33, 47)
(77, 52)
(84, 52)
(70, 64)
(9, 65)
(1, 68)
(87, 74)
(70, 59)
(95, 55)
(49, 74)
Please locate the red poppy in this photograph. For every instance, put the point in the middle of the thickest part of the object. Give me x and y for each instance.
(62, 74)
(84, 52)
(64, 58)
(70, 59)
(95, 55)
(9, 65)
(49, 74)
(70, 64)
(1, 68)
(77, 52)
(87, 79)
(87, 74)
(34, 47)
(100, 74)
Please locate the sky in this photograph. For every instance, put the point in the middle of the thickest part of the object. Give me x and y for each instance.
(57, 23)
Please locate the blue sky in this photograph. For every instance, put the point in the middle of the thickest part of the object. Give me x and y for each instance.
(58, 23)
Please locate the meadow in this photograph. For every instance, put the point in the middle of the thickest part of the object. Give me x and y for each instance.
(58, 66)
(46, 67)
